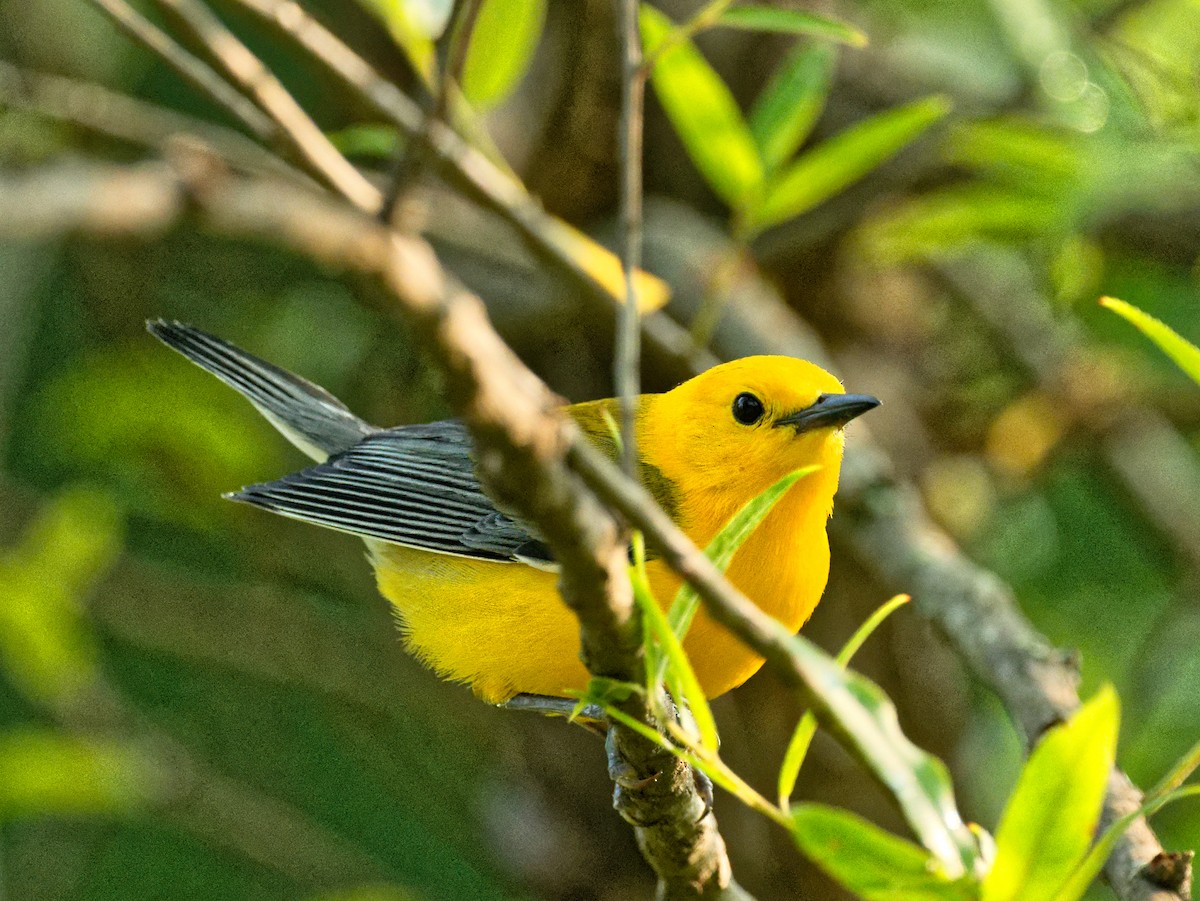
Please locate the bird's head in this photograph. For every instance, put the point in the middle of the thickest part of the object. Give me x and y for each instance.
(740, 427)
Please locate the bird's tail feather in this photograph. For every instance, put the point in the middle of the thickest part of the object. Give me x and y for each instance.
(306, 414)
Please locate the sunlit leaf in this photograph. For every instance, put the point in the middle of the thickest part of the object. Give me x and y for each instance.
(797, 748)
(791, 21)
(662, 640)
(839, 162)
(44, 772)
(503, 41)
(1185, 354)
(726, 543)
(872, 863)
(604, 266)
(705, 115)
(377, 141)
(45, 645)
(788, 107)
(1051, 817)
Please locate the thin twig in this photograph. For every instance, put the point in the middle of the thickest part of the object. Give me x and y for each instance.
(457, 39)
(132, 120)
(295, 127)
(463, 167)
(627, 364)
(193, 70)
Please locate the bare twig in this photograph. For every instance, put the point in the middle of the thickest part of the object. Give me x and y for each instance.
(522, 441)
(116, 115)
(457, 40)
(194, 71)
(627, 365)
(463, 167)
(295, 127)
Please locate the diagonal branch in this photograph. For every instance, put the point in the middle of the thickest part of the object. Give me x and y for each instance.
(293, 125)
(193, 70)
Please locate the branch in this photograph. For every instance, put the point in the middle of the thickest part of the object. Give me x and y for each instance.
(627, 365)
(293, 125)
(116, 115)
(192, 70)
(883, 519)
(522, 439)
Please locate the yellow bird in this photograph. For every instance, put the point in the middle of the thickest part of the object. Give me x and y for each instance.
(475, 588)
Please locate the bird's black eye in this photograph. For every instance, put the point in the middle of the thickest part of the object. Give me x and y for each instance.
(747, 409)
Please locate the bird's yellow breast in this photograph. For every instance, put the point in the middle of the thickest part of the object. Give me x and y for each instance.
(503, 629)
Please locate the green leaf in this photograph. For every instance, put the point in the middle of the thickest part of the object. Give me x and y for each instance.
(797, 748)
(1077, 885)
(1185, 354)
(726, 543)
(791, 21)
(662, 640)
(503, 41)
(788, 107)
(704, 114)
(870, 862)
(844, 159)
(864, 720)
(945, 221)
(377, 141)
(46, 646)
(1048, 824)
(43, 772)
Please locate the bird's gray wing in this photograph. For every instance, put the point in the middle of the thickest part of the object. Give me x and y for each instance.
(413, 485)
(306, 414)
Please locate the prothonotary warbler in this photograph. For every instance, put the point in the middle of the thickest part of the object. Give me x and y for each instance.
(475, 587)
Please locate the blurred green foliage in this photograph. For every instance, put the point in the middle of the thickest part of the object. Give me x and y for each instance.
(199, 701)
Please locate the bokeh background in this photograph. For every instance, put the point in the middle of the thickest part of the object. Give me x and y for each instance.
(200, 700)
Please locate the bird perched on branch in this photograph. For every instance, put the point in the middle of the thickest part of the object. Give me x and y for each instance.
(475, 587)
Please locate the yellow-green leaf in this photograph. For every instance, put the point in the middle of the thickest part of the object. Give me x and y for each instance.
(43, 772)
(872, 863)
(797, 748)
(503, 41)
(842, 160)
(705, 115)
(1185, 354)
(663, 644)
(788, 107)
(791, 21)
(1051, 817)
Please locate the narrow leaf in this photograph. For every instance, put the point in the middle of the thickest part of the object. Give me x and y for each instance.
(791, 21)
(603, 266)
(705, 115)
(661, 639)
(726, 543)
(1051, 817)
(844, 159)
(797, 748)
(864, 720)
(503, 41)
(872, 863)
(788, 107)
(1185, 354)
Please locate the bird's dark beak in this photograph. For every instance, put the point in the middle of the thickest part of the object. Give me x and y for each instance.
(830, 411)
